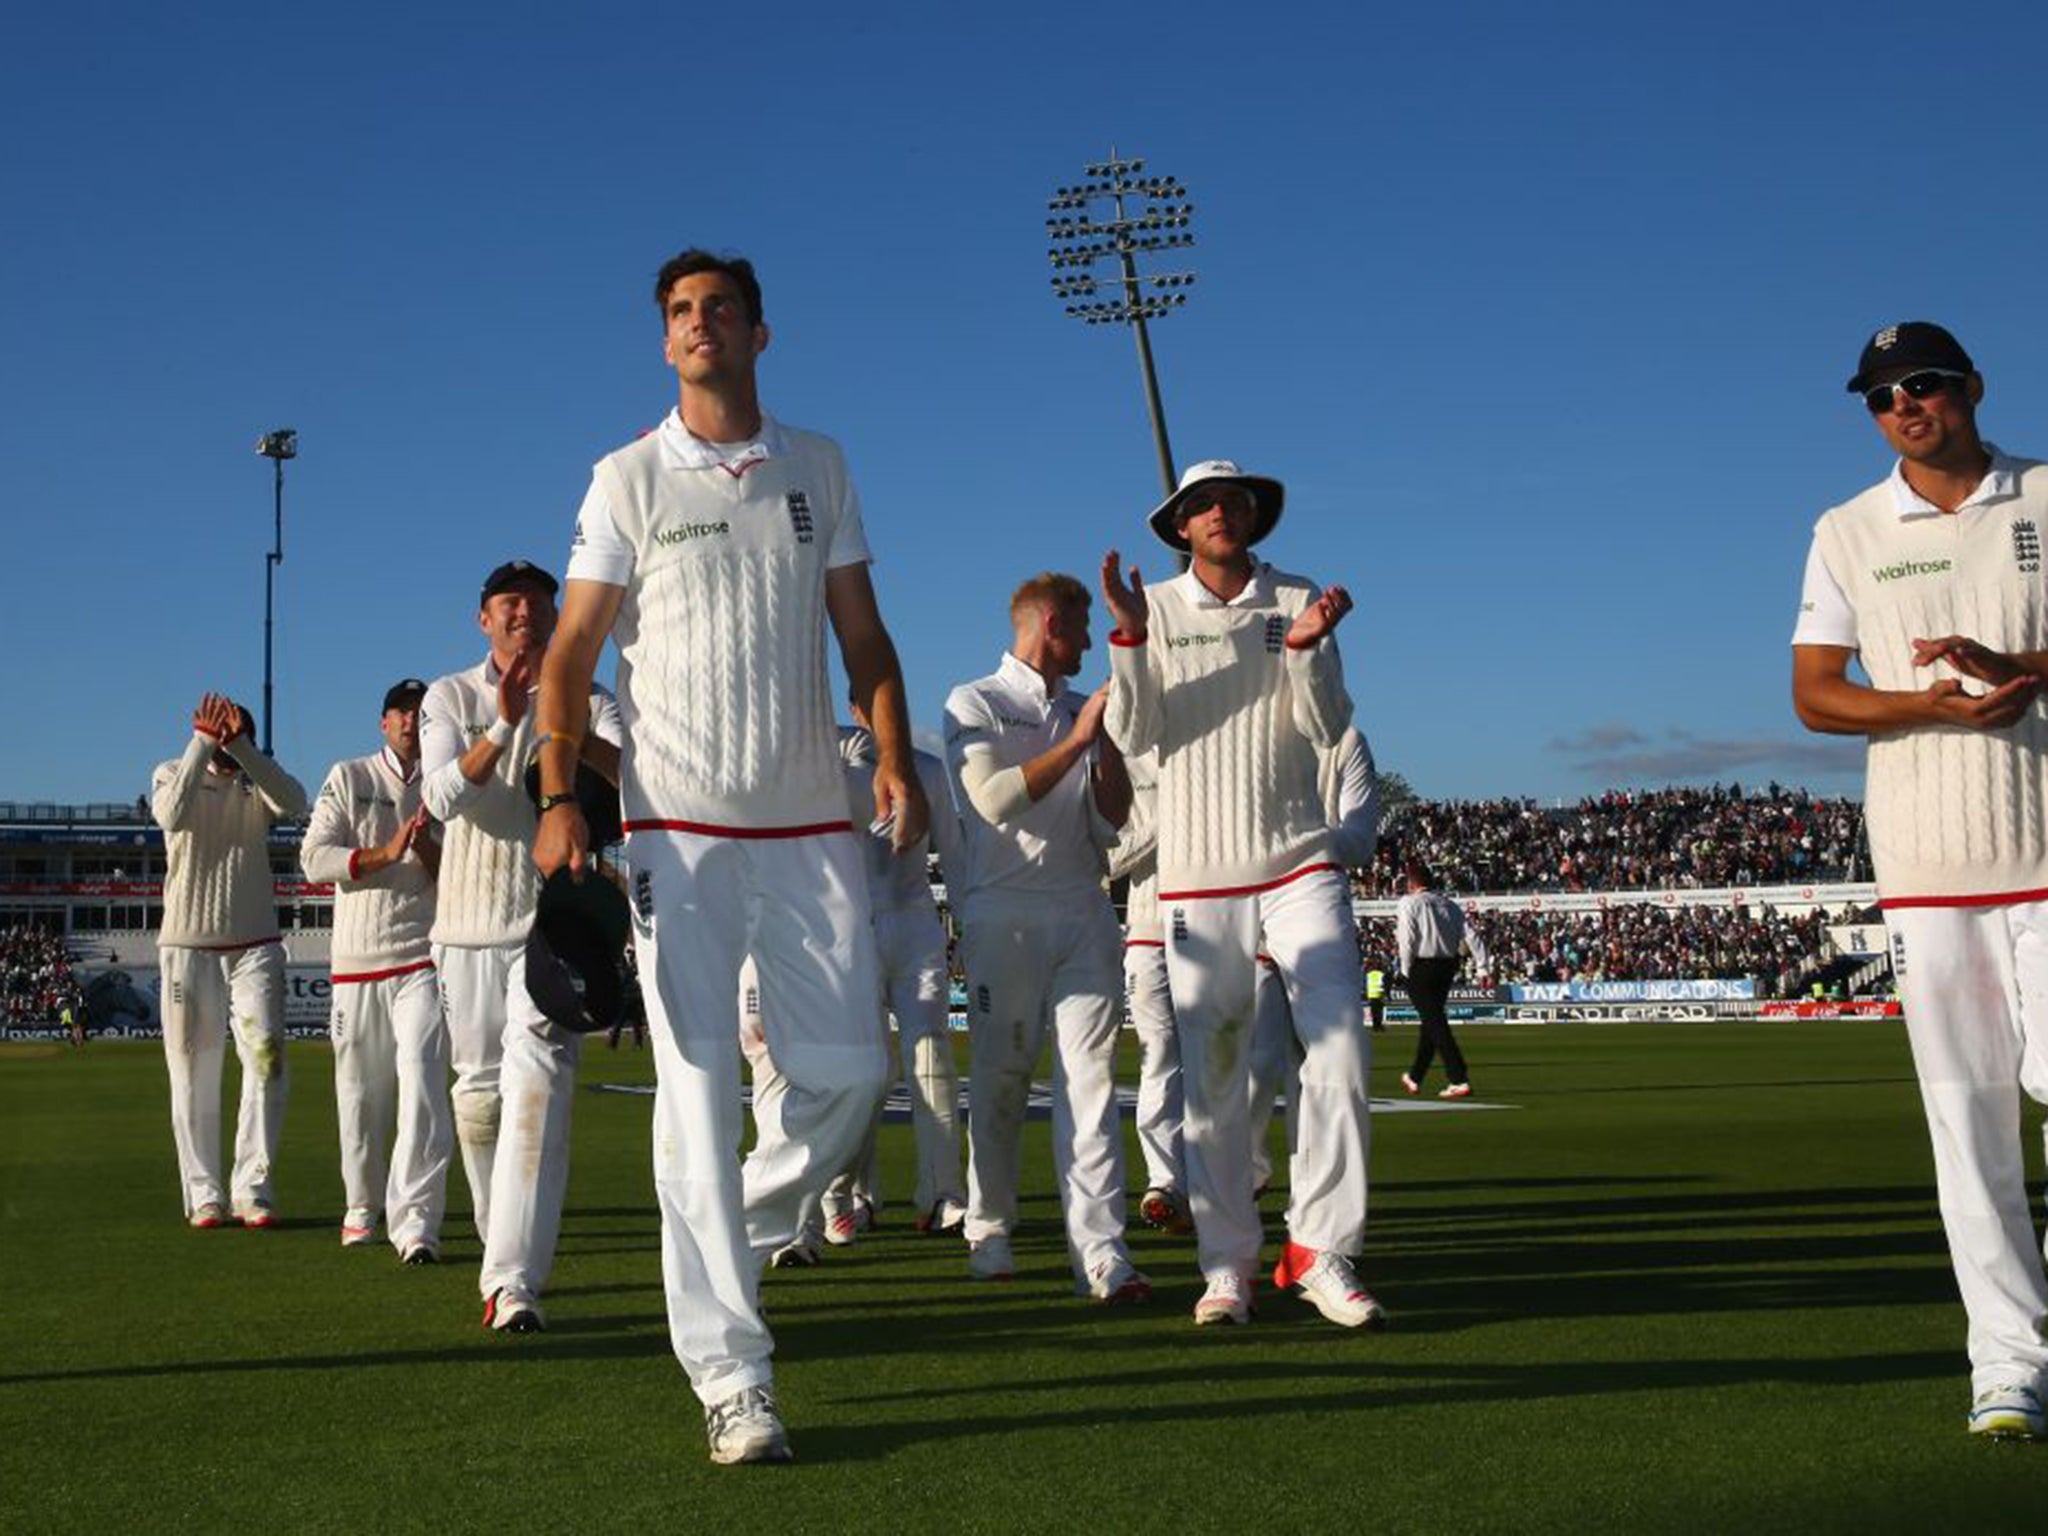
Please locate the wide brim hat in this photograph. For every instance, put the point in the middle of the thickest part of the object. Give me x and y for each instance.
(576, 952)
(1267, 498)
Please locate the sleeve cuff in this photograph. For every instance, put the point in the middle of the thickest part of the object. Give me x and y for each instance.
(353, 855)
(1118, 637)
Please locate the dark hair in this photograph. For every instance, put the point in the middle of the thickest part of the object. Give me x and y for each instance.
(1417, 874)
(693, 261)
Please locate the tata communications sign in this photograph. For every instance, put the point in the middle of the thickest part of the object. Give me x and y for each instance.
(1633, 991)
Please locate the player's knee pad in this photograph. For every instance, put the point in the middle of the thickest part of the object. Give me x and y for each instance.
(476, 1117)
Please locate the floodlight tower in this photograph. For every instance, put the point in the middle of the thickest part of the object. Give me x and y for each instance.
(277, 447)
(1146, 214)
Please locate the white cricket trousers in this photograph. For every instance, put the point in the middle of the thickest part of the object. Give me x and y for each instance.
(1276, 1068)
(916, 989)
(530, 1171)
(1148, 1003)
(475, 980)
(1034, 963)
(1974, 981)
(391, 1068)
(799, 905)
(1211, 945)
(205, 993)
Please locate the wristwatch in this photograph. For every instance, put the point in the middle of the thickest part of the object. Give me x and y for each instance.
(547, 803)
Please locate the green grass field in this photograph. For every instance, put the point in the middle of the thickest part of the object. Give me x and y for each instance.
(1693, 1280)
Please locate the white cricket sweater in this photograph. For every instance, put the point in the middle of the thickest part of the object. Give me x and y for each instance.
(899, 882)
(1954, 815)
(488, 886)
(219, 892)
(381, 920)
(1236, 716)
(723, 684)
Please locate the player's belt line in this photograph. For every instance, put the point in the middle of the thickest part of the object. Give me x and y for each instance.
(229, 949)
(2001, 899)
(710, 829)
(1144, 943)
(396, 970)
(1247, 890)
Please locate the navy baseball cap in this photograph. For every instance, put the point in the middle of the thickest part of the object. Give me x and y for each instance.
(1905, 348)
(404, 693)
(514, 573)
(576, 952)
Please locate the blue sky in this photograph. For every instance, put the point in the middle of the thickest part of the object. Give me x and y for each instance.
(1542, 313)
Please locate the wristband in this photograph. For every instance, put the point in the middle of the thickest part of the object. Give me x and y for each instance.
(501, 733)
(563, 736)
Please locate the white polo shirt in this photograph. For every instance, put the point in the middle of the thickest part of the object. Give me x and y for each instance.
(1054, 848)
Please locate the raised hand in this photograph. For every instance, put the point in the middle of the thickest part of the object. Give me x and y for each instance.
(1126, 601)
(1319, 618)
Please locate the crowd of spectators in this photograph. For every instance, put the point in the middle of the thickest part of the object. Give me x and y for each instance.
(1636, 943)
(1626, 839)
(35, 976)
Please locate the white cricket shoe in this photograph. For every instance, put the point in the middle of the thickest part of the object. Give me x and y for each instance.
(746, 1427)
(841, 1230)
(1163, 1208)
(1227, 1299)
(512, 1309)
(208, 1216)
(990, 1258)
(946, 1215)
(1330, 1285)
(358, 1228)
(1115, 1283)
(800, 1253)
(2009, 1412)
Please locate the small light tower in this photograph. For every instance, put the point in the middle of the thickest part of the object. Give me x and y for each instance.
(1145, 215)
(277, 447)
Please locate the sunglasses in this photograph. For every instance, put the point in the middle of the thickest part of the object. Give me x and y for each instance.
(1921, 385)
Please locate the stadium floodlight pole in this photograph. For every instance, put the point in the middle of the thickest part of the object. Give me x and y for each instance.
(1146, 215)
(277, 447)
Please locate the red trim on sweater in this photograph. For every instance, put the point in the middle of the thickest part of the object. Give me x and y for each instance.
(709, 829)
(1144, 943)
(229, 949)
(2001, 899)
(1118, 637)
(396, 970)
(353, 855)
(1246, 890)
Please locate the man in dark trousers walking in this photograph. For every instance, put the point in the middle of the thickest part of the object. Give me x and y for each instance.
(1432, 932)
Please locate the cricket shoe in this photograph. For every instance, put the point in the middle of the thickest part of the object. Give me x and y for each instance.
(1330, 1285)
(1227, 1299)
(801, 1253)
(2009, 1412)
(946, 1215)
(1409, 1085)
(1457, 1091)
(990, 1258)
(865, 1216)
(512, 1309)
(1116, 1283)
(208, 1216)
(417, 1254)
(358, 1229)
(746, 1427)
(1163, 1208)
(841, 1230)
(255, 1216)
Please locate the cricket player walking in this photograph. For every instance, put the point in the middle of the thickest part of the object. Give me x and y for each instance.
(222, 957)
(1041, 794)
(1230, 673)
(371, 838)
(714, 550)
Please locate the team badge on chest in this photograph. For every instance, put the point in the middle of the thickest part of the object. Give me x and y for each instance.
(1276, 633)
(2026, 544)
(799, 515)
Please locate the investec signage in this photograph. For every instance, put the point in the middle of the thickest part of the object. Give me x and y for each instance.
(1721, 897)
(126, 1000)
(1633, 991)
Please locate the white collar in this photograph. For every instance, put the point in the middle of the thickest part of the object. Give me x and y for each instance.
(397, 769)
(2000, 482)
(1027, 680)
(1256, 591)
(683, 449)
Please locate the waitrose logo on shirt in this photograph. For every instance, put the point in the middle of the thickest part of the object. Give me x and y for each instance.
(1907, 568)
(685, 531)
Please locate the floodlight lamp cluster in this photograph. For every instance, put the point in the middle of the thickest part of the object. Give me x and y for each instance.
(281, 444)
(1150, 307)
